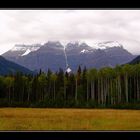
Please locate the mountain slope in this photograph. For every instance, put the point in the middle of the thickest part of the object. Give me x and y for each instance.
(109, 54)
(7, 67)
(135, 60)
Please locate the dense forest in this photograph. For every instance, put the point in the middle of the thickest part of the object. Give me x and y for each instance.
(117, 87)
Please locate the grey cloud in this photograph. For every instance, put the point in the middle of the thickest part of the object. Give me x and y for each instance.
(34, 26)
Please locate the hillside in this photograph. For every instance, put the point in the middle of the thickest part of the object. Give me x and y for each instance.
(7, 67)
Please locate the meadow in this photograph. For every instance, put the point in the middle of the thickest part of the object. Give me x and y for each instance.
(68, 119)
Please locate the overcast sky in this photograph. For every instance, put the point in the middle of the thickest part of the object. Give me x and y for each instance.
(90, 26)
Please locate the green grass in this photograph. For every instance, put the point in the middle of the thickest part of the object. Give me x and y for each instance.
(68, 119)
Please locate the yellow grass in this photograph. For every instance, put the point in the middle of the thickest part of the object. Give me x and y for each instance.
(68, 119)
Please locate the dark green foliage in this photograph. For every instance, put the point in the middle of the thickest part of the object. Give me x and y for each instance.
(117, 87)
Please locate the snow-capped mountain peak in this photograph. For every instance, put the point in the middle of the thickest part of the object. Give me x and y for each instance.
(109, 44)
(25, 49)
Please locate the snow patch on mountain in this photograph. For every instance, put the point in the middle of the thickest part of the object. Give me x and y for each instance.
(34, 48)
(84, 51)
(30, 49)
(109, 44)
(27, 52)
(19, 48)
(25, 49)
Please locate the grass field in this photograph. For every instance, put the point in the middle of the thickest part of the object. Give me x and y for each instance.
(68, 119)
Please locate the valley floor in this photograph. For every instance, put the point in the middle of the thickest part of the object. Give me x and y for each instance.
(68, 119)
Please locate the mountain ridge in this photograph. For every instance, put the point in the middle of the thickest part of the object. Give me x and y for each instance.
(52, 55)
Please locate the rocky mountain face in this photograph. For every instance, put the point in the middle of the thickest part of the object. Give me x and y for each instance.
(54, 55)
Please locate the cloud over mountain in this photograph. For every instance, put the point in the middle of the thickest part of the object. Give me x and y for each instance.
(31, 26)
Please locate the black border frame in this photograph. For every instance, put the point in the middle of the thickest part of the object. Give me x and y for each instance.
(69, 5)
(72, 135)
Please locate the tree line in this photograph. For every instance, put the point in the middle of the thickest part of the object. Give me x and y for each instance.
(117, 87)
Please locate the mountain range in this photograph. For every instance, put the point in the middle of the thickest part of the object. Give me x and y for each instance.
(54, 55)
